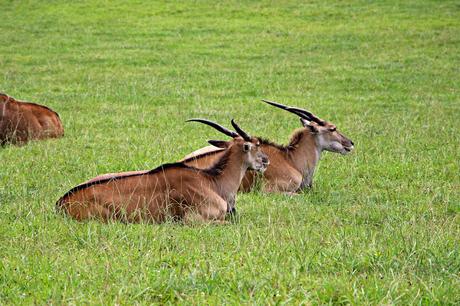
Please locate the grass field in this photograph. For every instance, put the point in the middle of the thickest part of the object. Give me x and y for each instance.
(381, 226)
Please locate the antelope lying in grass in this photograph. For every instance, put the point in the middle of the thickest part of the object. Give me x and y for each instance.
(171, 190)
(291, 166)
(23, 121)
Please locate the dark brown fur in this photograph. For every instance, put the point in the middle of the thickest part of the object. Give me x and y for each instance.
(294, 140)
(174, 190)
(23, 121)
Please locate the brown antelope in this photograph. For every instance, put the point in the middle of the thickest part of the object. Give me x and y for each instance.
(291, 166)
(171, 190)
(23, 121)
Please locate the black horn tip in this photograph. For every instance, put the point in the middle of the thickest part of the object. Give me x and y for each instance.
(214, 125)
(205, 121)
(273, 103)
(236, 126)
(193, 119)
(240, 131)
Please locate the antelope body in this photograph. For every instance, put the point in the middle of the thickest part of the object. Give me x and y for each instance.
(23, 121)
(171, 190)
(292, 166)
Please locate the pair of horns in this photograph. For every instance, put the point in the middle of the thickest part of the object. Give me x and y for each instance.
(220, 128)
(302, 113)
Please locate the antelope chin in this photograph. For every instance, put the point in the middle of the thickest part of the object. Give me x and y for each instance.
(260, 168)
(264, 166)
(346, 150)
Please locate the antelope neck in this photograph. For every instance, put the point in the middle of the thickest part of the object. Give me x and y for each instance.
(305, 155)
(229, 180)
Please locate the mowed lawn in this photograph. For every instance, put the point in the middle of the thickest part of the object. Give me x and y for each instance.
(380, 226)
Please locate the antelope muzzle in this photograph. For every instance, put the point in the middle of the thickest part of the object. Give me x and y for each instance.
(262, 162)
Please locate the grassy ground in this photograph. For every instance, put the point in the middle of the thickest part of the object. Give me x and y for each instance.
(380, 226)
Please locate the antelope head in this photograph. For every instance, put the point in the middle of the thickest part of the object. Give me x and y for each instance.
(253, 156)
(327, 136)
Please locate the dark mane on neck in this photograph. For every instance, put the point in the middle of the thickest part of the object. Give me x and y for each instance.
(295, 138)
(293, 141)
(270, 143)
(219, 166)
(167, 166)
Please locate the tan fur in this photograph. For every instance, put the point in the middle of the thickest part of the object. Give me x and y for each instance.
(176, 191)
(114, 175)
(24, 121)
(291, 167)
(204, 150)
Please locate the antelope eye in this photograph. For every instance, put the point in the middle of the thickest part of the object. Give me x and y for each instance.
(332, 129)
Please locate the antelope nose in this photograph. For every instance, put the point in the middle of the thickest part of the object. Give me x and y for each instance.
(352, 143)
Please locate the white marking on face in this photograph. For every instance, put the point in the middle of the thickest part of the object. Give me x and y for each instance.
(336, 146)
(322, 143)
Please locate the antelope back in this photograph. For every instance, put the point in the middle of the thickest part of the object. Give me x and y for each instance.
(22, 121)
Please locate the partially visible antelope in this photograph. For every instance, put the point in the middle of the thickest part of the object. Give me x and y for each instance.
(171, 190)
(23, 121)
(291, 166)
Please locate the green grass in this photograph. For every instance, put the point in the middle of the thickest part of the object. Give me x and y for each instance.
(381, 226)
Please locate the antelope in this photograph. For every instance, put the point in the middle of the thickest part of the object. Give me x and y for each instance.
(23, 121)
(292, 166)
(175, 190)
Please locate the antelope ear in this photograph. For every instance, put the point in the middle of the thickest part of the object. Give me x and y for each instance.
(304, 122)
(308, 125)
(312, 128)
(218, 143)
